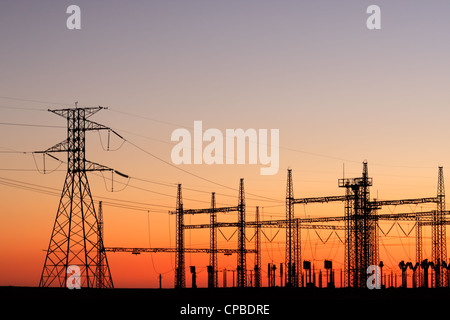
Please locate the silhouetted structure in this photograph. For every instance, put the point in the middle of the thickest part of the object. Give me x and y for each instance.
(291, 233)
(76, 239)
(258, 251)
(439, 247)
(361, 243)
(102, 270)
(212, 276)
(180, 248)
(241, 256)
(180, 273)
(77, 235)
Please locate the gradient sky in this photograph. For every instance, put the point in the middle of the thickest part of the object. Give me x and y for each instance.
(338, 92)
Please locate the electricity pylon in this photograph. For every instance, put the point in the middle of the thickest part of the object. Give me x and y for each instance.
(76, 238)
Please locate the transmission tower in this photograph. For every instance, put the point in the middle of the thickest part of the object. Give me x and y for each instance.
(290, 233)
(212, 280)
(101, 266)
(76, 239)
(258, 251)
(419, 240)
(361, 242)
(180, 272)
(439, 246)
(241, 256)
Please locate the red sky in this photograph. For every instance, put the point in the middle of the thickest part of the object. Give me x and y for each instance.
(338, 92)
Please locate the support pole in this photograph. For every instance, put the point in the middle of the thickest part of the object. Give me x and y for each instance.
(212, 279)
(290, 232)
(241, 256)
(180, 277)
(439, 245)
(258, 251)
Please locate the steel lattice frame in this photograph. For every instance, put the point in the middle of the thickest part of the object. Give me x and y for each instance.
(102, 271)
(361, 240)
(212, 280)
(180, 272)
(241, 256)
(439, 247)
(75, 239)
(213, 225)
(258, 251)
(291, 236)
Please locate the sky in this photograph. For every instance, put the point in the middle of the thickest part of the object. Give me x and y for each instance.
(338, 93)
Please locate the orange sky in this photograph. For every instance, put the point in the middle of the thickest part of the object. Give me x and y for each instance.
(338, 92)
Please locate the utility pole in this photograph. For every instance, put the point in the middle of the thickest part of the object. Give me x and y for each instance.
(258, 251)
(212, 277)
(101, 267)
(419, 273)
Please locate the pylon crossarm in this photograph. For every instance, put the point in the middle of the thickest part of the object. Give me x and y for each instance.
(92, 166)
(91, 125)
(59, 147)
(87, 111)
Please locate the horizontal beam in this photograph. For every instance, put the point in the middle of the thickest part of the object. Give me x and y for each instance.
(319, 199)
(321, 219)
(376, 203)
(283, 223)
(208, 210)
(158, 250)
(407, 216)
(373, 203)
(310, 226)
(434, 223)
(269, 224)
(403, 201)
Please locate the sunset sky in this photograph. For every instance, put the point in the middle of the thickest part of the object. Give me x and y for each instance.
(338, 92)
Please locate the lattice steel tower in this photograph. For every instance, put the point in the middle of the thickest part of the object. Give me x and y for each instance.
(290, 257)
(241, 256)
(361, 241)
(258, 250)
(75, 239)
(439, 245)
(180, 271)
(102, 270)
(212, 280)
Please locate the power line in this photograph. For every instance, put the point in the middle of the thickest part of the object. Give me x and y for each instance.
(128, 204)
(281, 147)
(149, 153)
(37, 101)
(31, 125)
(177, 125)
(147, 118)
(21, 108)
(193, 174)
(25, 170)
